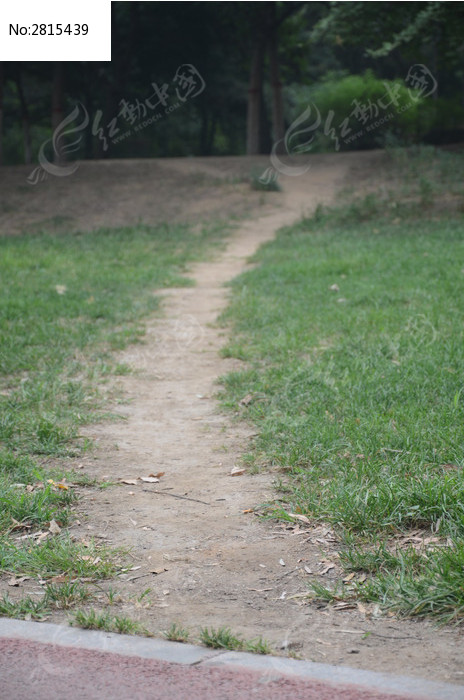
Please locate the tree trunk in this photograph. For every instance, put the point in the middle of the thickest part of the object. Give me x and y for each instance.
(278, 122)
(57, 103)
(24, 119)
(254, 100)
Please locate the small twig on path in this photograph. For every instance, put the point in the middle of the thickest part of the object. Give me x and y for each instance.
(372, 634)
(387, 636)
(175, 495)
(134, 578)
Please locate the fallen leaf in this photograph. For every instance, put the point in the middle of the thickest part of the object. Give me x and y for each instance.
(260, 590)
(281, 562)
(158, 475)
(62, 578)
(321, 641)
(297, 516)
(349, 577)
(344, 606)
(129, 482)
(158, 570)
(334, 288)
(63, 486)
(148, 479)
(237, 471)
(298, 595)
(248, 510)
(308, 570)
(246, 400)
(326, 569)
(60, 288)
(19, 526)
(54, 528)
(17, 581)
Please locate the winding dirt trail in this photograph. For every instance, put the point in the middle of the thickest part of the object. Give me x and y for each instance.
(207, 561)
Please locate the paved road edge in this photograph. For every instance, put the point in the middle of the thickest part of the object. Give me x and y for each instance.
(174, 652)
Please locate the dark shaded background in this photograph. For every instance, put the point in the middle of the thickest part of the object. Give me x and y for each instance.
(301, 47)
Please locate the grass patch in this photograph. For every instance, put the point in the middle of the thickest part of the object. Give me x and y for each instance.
(93, 620)
(177, 633)
(223, 638)
(58, 556)
(352, 330)
(26, 608)
(66, 595)
(262, 182)
(56, 597)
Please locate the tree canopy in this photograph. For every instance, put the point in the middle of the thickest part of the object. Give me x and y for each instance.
(257, 62)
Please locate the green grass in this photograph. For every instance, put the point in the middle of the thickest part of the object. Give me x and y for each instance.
(93, 620)
(223, 638)
(177, 633)
(56, 556)
(56, 597)
(352, 329)
(260, 182)
(26, 608)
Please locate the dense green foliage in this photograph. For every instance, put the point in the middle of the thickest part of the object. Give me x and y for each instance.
(315, 42)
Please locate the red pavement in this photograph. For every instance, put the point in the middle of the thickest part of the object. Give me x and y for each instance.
(32, 670)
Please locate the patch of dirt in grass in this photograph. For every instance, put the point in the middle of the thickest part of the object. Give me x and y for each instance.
(195, 539)
(113, 193)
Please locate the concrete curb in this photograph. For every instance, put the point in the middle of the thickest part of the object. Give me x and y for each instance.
(272, 666)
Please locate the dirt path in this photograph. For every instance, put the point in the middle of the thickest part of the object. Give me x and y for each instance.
(207, 560)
